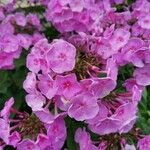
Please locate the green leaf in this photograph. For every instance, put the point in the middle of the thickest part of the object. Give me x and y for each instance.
(5, 81)
(143, 121)
(129, 2)
(51, 33)
(119, 8)
(21, 61)
(72, 126)
(19, 76)
(33, 9)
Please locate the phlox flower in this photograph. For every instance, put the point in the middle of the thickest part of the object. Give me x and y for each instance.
(61, 56)
(83, 106)
(68, 86)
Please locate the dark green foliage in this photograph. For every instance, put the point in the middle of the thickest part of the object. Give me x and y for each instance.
(9, 148)
(72, 126)
(51, 33)
(11, 84)
(129, 2)
(143, 121)
(33, 9)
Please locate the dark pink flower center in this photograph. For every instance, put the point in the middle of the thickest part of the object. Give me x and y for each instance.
(62, 57)
(145, 144)
(132, 48)
(42, 139)
(55, 129)
(67, 85)
(81, 105)
(35, 61)
(50, 84)
(120, 39)
(120, 112)
(42, 52)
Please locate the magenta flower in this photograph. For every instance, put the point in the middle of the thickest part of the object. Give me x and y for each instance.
(57, 129)
(127, 115)
(131, 51)
(68, 86)
(33, 63)
(36, 60)
(119, 39)
(61, 56)
(84, 104)
(57, 133)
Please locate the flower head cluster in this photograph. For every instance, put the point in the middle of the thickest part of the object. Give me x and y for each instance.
(36, 131)
(77, 75)
(18, 31)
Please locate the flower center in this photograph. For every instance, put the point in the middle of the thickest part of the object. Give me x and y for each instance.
(84, 64)
(62, 57)
(120, 39)
(31, 126)
(67, 85)
(35, 61)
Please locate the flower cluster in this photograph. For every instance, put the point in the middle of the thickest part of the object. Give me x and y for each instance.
(76, 76)
(27, 132)
(18, 32)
